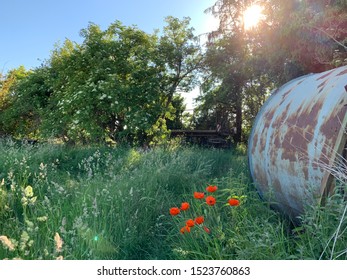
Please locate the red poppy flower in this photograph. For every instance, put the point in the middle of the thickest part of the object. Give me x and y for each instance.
(185, 206)
(199, 220)
(190, 223)
(185, 229)
(234, 202)
(199, 195)
(207, 230)
(210, 200)
(174, 211)
(211, 188)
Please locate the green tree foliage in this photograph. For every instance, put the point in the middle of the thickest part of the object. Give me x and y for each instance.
(8, 95)
(108, 86)
(303, 36)
(243, 65)
(118, 84)
(176, 122)
(179, 51)
(233, 72)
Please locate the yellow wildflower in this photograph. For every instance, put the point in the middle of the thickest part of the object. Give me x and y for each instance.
(33, 199)
(24, 238)
(24, 201)
(58, 242)
(42, 219)
(28, 191)
(7, 242)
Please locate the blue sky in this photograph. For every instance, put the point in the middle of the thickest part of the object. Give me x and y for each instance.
(30, 28)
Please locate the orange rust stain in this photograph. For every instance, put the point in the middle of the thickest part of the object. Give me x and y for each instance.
(342, 73)
(325, 75)
(332, 125)
(330, 129)
(276, 184)
(294, 143)
(286, 93)
(308, 134)
(262, 142)
(284, 96)
(260, 175)
(322, 85)
(324, 157)
(274, 148)
(281, 118)
(305, 171)
(268, 116)
(300, 132)
(273, 157)
(255, 141)
(277, 141)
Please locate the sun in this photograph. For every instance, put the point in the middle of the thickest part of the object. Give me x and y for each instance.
(252, 15)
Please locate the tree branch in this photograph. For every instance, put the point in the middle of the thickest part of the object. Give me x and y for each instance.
(331, 37)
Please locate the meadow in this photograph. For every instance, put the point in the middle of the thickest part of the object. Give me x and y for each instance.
(97, 202)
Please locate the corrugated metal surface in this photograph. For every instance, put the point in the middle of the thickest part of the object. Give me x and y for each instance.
(302, 124)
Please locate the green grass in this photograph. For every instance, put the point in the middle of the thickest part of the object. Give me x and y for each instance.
(113, 203)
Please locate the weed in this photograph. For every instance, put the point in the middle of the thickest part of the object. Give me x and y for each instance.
(59, 202)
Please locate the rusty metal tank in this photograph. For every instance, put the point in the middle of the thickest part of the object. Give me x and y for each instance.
(299, 132)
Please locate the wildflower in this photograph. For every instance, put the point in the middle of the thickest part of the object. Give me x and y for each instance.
(185, 206)
(211, 189)
(28, 191)
(24, 201)
(185, 229)
(174, 211)
(199, 195)
(30, 225)
(210, 200)
(58, 242)
(234, 202)
(45, 252)
(7, 242)
(190, 223)
(207, 230)
(42, 219)
(32, 200)
(199, 220)
(24, 239)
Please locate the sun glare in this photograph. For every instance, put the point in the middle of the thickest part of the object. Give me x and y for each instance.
(252, 15)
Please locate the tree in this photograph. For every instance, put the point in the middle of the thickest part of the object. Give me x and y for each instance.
(232, 63)
(180, 54)
(8, 96)
(120, 83)
(180, 57)
(176, 121)
(293, 38)
(107, 87)
(309, 35)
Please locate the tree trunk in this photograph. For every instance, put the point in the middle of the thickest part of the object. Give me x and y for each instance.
(238, 123)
